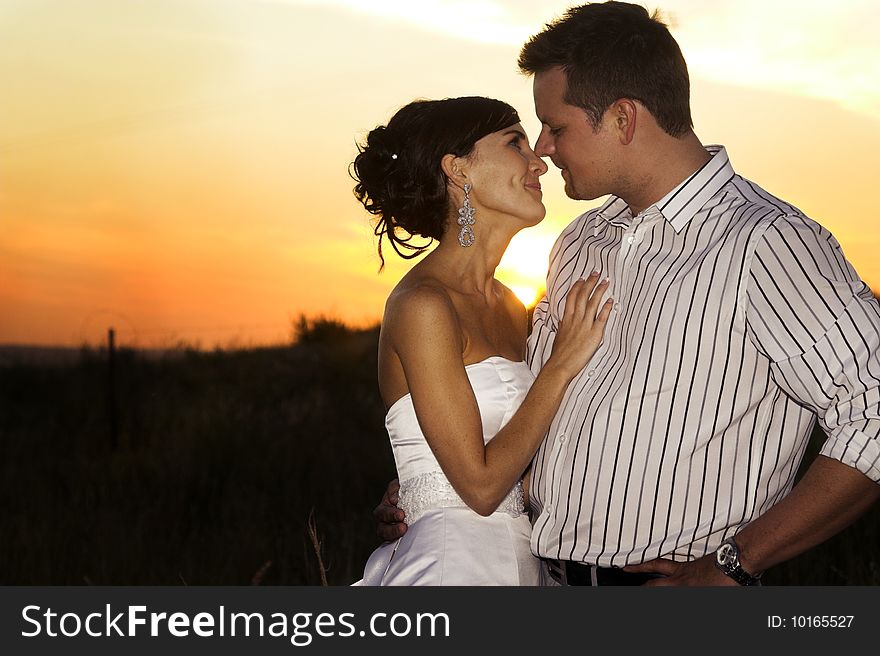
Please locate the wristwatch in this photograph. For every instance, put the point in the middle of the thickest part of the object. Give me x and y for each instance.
(727, 560)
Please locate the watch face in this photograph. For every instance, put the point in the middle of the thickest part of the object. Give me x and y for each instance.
(726, 555)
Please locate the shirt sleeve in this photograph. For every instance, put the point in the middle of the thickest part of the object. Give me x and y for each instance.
(807, 310)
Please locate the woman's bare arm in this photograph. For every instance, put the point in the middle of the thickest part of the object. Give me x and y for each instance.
(427, 340)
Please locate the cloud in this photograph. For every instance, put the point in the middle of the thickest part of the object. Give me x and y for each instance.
(483, 21)
(825, 51)
(785, 45)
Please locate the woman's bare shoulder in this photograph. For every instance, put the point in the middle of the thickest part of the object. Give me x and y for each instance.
(419, 298)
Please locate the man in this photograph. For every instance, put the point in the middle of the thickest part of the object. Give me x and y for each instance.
(738, 322)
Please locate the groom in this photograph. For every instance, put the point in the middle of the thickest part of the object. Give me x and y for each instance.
(737, 323)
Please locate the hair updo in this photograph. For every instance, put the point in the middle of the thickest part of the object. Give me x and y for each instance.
(398, 173)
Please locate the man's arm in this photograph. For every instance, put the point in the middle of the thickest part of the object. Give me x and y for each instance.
(828, 498)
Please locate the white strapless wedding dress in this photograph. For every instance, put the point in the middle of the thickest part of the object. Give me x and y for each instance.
(447, 543)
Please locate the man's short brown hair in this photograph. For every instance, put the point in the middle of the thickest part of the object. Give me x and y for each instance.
(615, 50)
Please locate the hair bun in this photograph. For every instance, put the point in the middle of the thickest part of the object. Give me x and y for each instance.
(373, 169)
(383, 142)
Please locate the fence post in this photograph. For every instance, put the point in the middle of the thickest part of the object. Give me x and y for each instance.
(111, 352)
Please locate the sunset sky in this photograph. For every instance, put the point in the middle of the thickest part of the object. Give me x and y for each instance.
(178, 169)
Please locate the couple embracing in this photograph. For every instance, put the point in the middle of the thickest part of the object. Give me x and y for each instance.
(648, 429)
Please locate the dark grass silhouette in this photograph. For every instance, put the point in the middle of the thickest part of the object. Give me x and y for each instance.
(225, 460)
(223, 456)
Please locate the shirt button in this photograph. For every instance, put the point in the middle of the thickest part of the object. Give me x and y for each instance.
(591, 373)
(631, 239)
(561, 438)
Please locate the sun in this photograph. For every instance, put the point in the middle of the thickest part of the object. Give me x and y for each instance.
(524, 265)
(528, 295)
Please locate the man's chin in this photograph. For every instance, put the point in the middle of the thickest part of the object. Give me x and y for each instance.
(581, 194)
(572, 193)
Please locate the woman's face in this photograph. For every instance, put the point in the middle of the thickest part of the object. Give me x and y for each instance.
(504, 173)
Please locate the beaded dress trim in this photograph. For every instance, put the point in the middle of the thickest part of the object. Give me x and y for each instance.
(432, 490)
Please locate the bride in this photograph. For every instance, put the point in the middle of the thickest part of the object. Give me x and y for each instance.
(465, 414)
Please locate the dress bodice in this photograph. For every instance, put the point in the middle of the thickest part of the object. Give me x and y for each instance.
(499, 386)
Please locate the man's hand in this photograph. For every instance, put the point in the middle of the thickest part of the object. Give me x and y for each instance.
(389, 518)
(700, 572)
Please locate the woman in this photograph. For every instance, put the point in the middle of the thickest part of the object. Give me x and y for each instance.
(465, 414)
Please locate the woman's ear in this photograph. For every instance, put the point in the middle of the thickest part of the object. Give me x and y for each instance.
(454, 170)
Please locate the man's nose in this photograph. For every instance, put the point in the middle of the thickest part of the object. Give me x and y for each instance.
(543, 146)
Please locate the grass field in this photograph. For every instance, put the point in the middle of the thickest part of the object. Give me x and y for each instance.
(221, 459)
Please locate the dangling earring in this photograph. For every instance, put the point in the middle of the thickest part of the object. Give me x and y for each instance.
(466, 219)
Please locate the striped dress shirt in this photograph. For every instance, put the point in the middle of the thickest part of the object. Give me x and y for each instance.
(737, 322)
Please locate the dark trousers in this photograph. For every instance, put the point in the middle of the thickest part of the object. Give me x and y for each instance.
(568, 572)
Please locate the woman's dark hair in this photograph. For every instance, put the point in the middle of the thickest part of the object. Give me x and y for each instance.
(614, 50)
(398, 172)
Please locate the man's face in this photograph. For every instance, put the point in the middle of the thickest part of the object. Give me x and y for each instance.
(585, 155)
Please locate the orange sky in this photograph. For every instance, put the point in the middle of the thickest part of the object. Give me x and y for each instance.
(178, 169)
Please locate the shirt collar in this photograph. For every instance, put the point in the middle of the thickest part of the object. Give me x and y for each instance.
(681, 204)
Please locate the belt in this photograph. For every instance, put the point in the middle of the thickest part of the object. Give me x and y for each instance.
(569, 572)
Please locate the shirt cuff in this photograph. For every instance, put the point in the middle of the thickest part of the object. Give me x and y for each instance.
(854, 448)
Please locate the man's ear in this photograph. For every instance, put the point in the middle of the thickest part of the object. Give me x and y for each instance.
(624, 114)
